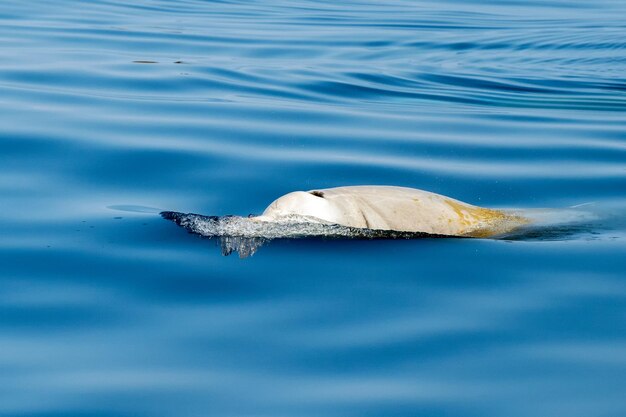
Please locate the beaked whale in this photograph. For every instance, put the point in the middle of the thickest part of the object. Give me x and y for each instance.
(378, 212)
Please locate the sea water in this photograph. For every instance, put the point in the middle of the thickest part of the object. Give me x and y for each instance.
(218, 108)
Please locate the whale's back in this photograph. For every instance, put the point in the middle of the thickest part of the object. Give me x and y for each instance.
(396, 208)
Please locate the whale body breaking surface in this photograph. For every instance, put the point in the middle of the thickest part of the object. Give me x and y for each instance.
(358, 212)
(398, 209)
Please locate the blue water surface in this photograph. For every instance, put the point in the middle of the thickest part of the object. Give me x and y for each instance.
(219, 107)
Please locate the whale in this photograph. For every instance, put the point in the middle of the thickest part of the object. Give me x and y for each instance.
(379, 212)
(393, 208)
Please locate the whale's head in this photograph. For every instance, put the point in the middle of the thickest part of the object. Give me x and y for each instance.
(301, 203)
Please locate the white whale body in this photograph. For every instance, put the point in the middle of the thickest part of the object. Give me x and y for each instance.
(392, 208)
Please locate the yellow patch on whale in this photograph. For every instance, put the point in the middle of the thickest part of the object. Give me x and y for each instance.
(483, 222)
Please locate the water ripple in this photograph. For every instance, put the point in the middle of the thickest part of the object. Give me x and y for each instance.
(221, 106)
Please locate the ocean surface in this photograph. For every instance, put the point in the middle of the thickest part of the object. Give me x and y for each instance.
(112, 111)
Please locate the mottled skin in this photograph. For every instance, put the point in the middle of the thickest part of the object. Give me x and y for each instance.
(393, 208)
